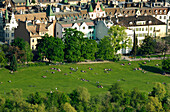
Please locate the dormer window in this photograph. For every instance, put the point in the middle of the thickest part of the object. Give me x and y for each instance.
(150, 22)
(164, 11)
(160, 11)
(156, 11)
(130, 23)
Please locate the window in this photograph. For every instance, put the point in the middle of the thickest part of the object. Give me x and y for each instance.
(142, 29)
(92, 15)
(32, 40)
(136, 29)
(12, 34)
(169, 24)
(97, 9)
(33, 47)
(150, 28)
(164, 17)
(139, 29)
(146, 29)
(57, 33)
(160, 17)
(83, 27)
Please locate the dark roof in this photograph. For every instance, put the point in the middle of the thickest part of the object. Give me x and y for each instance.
(19, 1)
(124, 21)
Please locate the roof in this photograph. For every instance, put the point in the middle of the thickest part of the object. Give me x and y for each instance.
(19, 1)
(90, 8)
(23, 17)
(69, 23)
(124, 21)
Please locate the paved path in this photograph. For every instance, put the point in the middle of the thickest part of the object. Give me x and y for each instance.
(130, 59)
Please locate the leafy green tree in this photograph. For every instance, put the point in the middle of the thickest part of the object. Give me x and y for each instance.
(148, 46)
(13, 63)
(161, 46)
(159, 91)
(135, 47)
(2, 58)
(56, 99)
(154, 105)
(50, 48)
(81, 94)
(138, 99)
(28, 52)
(88, 48)
(68, 108)
(19, 42)
(166, 64)
(118, 38)
(105, 49)
(72, 39)
(35, 98)
(117, 93)
(25, 53)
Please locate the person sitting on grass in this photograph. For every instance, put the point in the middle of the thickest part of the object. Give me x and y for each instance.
(59, 70)
(144, 62)
(129, 63)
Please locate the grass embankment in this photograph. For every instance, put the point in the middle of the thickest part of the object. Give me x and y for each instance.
(30, 79)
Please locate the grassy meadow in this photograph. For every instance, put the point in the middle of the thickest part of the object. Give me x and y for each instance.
(30, 79)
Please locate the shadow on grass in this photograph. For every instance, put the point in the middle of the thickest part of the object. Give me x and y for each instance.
(151, 68)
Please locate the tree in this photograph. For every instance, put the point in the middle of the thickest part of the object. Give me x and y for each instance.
(158, 91)
(56, 99)
(28, 52)
(88, 48)
(2, 58)
(81, 94)
(105, 51)
(68, 108)
(161, 46)
(135, 46)
(24, 47)
(117, 93)
(13, 63)
(19, 42)
(154, 105)
(35, 98)
(72, 39)
(166, 64)
(118, 38)
(20, 54)
(148, 46)
(50, 48)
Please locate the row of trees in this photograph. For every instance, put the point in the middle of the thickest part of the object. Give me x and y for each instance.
(19, 51)
(73, 47)
(115, 100)
(150, 46)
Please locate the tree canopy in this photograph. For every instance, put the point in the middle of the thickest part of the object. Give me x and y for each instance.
(50, 48)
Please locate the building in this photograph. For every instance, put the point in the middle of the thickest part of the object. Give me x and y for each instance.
(143, 26)
(84, 25)
(96, 12)
(7, 26)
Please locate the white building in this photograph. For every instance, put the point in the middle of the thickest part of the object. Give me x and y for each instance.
(84, 25)
(143, 26)
(7, 28)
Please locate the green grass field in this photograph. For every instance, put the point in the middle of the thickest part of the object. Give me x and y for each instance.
(30, 79)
